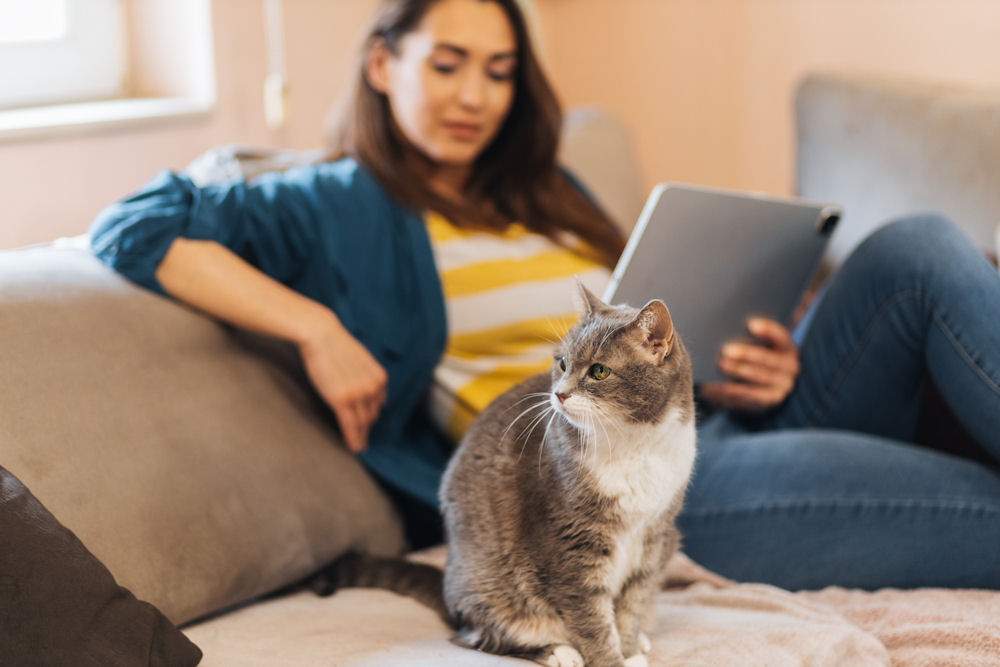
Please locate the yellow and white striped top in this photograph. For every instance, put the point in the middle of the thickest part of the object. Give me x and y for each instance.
(509, 298)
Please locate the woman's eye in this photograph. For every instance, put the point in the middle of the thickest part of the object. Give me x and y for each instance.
(501, 76)
(444, 68)
(599, 371)
(562, 364)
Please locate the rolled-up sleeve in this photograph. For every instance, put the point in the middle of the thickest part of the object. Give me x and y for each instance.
(270, 222)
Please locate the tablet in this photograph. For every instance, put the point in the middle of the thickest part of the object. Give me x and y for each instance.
(717, 257)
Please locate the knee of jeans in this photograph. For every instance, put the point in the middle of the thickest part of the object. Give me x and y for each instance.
(923, 230)
(915, 248)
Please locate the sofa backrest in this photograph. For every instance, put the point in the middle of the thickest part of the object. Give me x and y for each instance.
(885, 147)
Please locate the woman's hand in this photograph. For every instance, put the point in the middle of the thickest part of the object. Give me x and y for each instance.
(764, 372)
(348, 378)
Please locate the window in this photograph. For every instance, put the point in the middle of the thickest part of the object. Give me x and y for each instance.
(68, 65)
(60, 50)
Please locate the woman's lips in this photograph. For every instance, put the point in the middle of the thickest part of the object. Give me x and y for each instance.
(463, 131)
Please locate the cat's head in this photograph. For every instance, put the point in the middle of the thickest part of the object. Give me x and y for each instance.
(621, 365)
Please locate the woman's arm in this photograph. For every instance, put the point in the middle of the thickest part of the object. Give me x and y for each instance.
(212, 278)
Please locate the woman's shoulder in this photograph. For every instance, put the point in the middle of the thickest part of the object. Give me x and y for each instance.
(344, 179)
(347, 174)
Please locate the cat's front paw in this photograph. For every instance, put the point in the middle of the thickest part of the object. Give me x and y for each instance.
(637, 660)
(564, 655)
(644, 644)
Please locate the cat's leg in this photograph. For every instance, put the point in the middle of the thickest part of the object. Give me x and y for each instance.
(560, 655)
(590, 622)
(631, 608)
(539, 638)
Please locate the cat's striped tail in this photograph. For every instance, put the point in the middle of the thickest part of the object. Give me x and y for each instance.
(420, 581)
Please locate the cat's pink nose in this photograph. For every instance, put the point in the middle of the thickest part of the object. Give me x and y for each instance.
(562, 397)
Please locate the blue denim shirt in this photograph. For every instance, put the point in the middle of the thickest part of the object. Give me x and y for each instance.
(330, 232)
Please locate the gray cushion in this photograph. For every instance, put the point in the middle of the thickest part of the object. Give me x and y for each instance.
(201, 472)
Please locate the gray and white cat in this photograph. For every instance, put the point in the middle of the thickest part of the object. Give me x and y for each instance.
(559, 504)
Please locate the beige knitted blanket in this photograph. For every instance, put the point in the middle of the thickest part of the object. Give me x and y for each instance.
(699, 620)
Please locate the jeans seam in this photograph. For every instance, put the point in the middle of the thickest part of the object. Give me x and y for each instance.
(970, 362)
(812, 419)
(852, 503)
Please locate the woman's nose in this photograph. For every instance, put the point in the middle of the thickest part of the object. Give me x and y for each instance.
(472, 94)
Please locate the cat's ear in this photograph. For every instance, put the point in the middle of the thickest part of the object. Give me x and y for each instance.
(586, 302)
(654, 330)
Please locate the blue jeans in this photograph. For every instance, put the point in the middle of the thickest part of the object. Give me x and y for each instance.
(828, 489)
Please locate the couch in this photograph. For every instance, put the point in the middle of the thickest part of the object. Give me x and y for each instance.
(168, 480)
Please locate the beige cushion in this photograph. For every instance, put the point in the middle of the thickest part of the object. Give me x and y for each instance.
(597, 147)
(199, 471)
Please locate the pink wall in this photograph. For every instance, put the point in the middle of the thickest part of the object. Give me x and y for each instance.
(708, 84)
(705, 86)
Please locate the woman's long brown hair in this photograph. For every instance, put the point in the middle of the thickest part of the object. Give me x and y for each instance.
(515, 178)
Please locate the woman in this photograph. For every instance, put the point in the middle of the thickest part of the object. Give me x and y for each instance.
(449, 188)
(450, 114)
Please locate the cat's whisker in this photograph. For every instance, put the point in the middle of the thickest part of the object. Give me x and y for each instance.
(545, 433)
(535, 422)
(591, 432)
(529, 409)
(545, 437)
(602, 414)
(582, 435)
(595, 436)
(526, 435)
(534, 394)
(559, 337)
(595, 442)
(607, 438)
(553, 343)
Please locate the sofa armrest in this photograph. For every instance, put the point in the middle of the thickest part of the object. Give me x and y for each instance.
(195, 463)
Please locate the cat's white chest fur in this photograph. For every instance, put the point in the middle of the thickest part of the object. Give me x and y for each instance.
(646, 467)
(644, 476)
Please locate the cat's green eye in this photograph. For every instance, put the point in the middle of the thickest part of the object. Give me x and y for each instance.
(562, 364)
(599, 371)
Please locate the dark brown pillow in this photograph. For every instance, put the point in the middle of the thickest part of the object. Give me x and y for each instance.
(60, 606)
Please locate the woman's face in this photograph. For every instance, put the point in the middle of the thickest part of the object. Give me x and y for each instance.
(452, 82)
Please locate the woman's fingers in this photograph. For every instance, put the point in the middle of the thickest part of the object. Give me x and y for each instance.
(747, 355)
(357, 406)
(351, 427)
(777, 382)
(350, 380)
(738, 396)
(772, 333)
(765, 372)
(364, 395)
